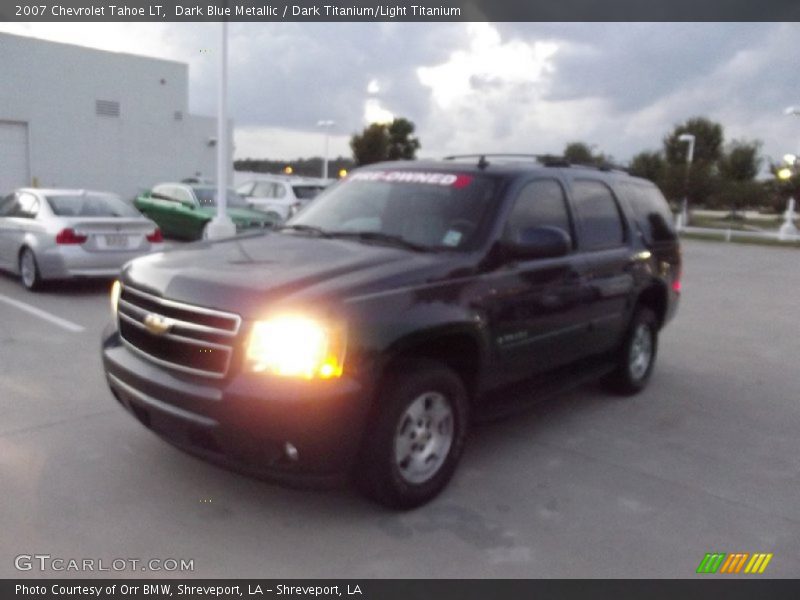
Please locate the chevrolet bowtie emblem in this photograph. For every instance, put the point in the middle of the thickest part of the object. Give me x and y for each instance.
(156, 324)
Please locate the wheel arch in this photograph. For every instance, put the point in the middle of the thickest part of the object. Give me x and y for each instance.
(458, 347)
(654, 297)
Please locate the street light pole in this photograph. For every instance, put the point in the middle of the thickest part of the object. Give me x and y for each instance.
(688, 138)
(326, 124)
(221, 225)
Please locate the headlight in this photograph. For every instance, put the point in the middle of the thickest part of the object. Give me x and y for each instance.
(296, 346)
(116, 291)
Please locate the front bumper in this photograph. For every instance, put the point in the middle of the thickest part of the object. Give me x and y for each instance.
(244, 421)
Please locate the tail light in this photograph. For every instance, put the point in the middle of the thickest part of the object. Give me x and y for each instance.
(156, 237)
(68, 236)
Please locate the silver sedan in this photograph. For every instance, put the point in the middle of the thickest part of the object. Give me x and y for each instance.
(62, 234)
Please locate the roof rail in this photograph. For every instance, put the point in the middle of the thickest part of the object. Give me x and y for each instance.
(545, 159)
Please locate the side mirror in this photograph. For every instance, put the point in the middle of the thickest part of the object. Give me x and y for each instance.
(539, 242)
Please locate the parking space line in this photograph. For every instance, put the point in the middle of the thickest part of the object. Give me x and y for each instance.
(37, 312)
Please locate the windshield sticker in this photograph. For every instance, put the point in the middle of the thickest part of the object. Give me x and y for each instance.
(452, 238)
(430, 178)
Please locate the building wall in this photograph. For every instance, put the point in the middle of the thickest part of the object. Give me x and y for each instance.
(54, 88)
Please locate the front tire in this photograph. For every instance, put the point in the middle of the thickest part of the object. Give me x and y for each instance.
(415, 436)
(637, 355)
(29, 273)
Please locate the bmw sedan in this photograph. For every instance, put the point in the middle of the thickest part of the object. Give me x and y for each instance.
(63, 234)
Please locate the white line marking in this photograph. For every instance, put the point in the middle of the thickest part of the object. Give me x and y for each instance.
(68, 325)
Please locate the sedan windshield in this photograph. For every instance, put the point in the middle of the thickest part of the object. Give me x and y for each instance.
(207, 196)
(90, 205)
(427, 209)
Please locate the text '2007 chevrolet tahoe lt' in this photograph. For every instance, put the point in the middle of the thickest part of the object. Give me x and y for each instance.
(362, 337)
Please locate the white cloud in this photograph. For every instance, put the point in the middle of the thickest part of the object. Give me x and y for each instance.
(286, 144)
(375, 113)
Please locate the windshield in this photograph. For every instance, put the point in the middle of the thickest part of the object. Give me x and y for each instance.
(90, 205)
(307, 192)
(207, 196)
(426, 208)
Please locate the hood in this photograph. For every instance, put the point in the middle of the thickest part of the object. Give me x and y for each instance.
(247, 273)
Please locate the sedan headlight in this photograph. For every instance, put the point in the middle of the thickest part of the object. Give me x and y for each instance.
(296, 346)
(116, 291)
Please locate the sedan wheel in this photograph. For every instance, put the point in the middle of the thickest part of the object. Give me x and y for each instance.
(29, 270)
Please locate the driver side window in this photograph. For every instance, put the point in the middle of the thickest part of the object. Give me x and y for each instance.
(540, 203)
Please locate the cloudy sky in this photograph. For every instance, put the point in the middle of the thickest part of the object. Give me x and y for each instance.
(514, 87)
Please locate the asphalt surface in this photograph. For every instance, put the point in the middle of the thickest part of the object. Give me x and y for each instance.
(584, 485)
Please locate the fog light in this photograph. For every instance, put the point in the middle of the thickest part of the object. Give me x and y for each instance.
(291, 452)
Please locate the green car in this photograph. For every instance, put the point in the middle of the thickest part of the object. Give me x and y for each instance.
(184, 210)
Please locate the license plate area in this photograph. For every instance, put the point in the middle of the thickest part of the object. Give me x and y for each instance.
(113, 241)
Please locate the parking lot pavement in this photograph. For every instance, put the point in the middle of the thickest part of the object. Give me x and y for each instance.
(584, 485)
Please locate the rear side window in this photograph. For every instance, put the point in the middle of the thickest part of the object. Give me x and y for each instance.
(598, 214)
(651, 211)
(27, 206)
(540, 203)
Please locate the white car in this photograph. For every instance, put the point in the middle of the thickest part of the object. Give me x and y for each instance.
(62, 234)
(281, 196)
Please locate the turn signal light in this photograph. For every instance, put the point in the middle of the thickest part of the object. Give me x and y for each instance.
(156, 237)
(68, 236)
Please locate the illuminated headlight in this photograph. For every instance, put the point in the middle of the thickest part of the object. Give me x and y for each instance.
(296, 346)
(116, 291)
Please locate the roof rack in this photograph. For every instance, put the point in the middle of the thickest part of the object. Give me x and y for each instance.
(547, 160)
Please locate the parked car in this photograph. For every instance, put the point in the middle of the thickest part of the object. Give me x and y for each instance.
(281, 197)
(366, 334)
(184, 210)
(62, 234)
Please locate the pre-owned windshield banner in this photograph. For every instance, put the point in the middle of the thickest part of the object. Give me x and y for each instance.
(416, 10)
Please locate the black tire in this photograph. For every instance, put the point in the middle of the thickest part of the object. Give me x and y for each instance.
(377, 472)
(29, 274)
(631, 377)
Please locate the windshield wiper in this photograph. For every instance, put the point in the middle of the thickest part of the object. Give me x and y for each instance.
(305, 229)
(378, 236)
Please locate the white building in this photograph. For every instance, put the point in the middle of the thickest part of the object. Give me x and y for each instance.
(89, 119)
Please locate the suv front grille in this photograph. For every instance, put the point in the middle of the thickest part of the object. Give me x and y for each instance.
(196, 340)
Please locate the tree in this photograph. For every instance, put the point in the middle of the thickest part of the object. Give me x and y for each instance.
(738, 166)
(649, 165)
(381, 141)
(371, 146)
(700, 182)
(402, 143)
(741, 161)
(579, 153)
(707, 145)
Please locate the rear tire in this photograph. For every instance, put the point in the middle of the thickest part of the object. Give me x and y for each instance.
(637, 355)
(29, 273)
(415, 436)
